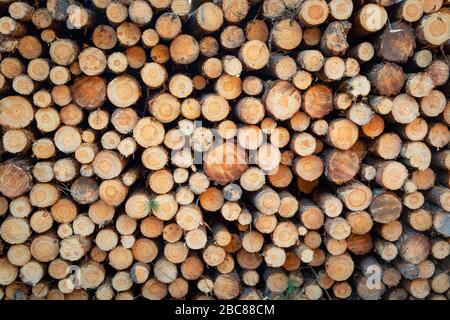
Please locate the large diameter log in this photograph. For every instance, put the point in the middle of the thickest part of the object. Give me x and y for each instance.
(15, 112)
(225, 163)
(433, 29)
(386, 207)
(318, 101)
(254, 54)
(396, 43)
(413, 247)
(334, 38)
(387, 79)
(123, 91)
(89, 92)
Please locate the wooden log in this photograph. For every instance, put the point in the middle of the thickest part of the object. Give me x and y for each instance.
(273, 9)
(369, 19)
(403, 38)
(257, 30)
(413, 247)
(386, 78)
(432, 29)
(376, 132)
(417, 155)
(123, 91)
(286, 34)
(339, 268)
(104, 37)
(254, 54)
(334, 38)
(410, 10)
(308, 168)
(89, 92)
(20, 11)
(419, 85)
(313, 12)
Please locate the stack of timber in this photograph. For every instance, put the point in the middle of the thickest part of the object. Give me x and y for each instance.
(230, 149)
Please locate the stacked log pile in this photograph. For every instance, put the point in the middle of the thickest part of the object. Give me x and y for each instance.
(250, 149)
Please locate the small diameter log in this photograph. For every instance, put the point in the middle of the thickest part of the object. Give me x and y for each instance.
(329, 203)
(20, 11)
(254, 54)
(16, 112)
(108, 164)
(310, 215)
(11, 27)
(433, 29)
(416, 155)
(419, 85)
(227, 286)
(104, 37)
(385, 207)
(405, 109)
(318, 101)
(282, 67)
(273, 9)
(207, 18)
(15, 178)
(284, 94)
(410, 10)
(363, 52)
(308, 168)
(391, 174)
(338, 228)
(148, 132)
(403, 40)
(340, 267)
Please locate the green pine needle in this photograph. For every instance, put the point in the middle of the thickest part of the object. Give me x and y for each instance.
(292, 287)
(153, 205)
